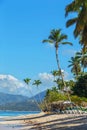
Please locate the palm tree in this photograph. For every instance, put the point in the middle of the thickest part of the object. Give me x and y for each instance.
(56, 73)
(79, 7)
(74, 63)
(82, 57)
(27, 81)
(57, 38)
(57, 78)
(59, 83)
(37, 83)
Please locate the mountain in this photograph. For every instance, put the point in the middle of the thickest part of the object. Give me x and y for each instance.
(41, 95)
(19, 102)
(9, 98)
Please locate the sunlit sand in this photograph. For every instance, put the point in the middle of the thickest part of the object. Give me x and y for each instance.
(44, 121)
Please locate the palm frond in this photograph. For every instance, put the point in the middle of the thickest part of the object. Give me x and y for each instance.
(70, 65)
(62, 37)
(71, 22)
(49, 41)
(72, 7)
(69, 43)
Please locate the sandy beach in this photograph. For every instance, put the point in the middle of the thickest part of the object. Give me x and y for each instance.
(43, 121)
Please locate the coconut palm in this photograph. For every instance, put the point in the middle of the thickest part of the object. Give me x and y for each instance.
(57, 78)
(56, 73)
(27, 81)
(82, 57)
(76, 68)
(59, 83)
(37, 83)
(57, 38)
(79, 7)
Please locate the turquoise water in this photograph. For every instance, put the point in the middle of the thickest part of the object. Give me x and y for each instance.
(17, 113)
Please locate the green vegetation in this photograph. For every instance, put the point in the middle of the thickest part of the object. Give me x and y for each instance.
(73, 90)
(80, 87)
(79, 7)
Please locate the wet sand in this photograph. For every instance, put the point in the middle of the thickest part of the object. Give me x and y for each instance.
(44, 121)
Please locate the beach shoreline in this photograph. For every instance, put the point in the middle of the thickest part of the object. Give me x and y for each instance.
(44, 121)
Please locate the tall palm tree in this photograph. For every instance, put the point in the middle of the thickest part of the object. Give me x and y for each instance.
(79, 7)
(27, 81)
(37, 83)
(76, 68)
(57, 38)
(82, 57)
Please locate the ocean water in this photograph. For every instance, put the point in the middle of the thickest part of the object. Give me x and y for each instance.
(17, 113)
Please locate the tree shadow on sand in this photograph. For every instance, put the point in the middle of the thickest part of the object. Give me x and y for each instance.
(68, 123)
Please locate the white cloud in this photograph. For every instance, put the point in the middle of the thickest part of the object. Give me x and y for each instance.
(47, 80)
(10, 84)
(70, 52)
(46, 76)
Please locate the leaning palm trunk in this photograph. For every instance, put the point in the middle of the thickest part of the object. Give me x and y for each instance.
(57, 59)
(39, 95)
(35, 99)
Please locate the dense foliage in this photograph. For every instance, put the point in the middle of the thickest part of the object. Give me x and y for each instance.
(80, 87)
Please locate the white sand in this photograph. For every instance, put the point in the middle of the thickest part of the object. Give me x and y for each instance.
(44, 121)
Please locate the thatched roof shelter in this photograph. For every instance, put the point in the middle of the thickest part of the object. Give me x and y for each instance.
(61, 105)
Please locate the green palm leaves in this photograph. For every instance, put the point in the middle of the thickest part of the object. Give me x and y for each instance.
(75, 66)
(27, 80)
(37, 82)
(82, 57)
(57, 38)
(78, 63)
(79, 7)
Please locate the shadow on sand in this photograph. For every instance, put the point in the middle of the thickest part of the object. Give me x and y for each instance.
(68, 123)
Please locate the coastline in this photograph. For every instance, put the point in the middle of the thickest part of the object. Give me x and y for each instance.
(44, 121)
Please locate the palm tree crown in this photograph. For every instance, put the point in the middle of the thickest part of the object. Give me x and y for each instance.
(74, 63)
(37, 82)
(82, 57)
(79, 7)
(27, 80)
(57, 38)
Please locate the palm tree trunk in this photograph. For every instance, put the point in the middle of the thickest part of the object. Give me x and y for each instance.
(39, 94)
(40, 99)
(58, 64)
(34, 99)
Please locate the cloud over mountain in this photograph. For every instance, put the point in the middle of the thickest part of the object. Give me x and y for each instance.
(10, 84)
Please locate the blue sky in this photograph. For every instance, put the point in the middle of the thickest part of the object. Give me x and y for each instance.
(23, 26)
